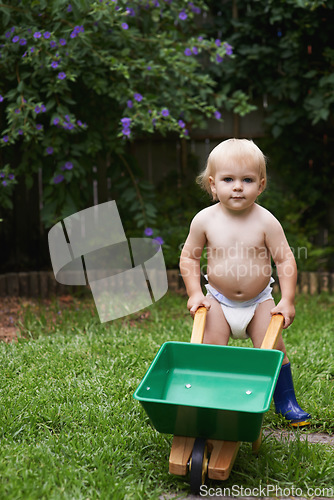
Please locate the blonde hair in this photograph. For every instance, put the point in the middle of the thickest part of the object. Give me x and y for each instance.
(240, 150)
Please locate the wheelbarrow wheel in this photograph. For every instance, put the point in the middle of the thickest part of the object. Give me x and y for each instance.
(198, 465)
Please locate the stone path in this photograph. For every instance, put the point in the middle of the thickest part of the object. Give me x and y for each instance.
(316, 437)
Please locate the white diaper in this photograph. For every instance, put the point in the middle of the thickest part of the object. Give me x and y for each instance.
(239, 314)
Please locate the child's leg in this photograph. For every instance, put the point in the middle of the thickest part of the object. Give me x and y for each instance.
(217, 330)
(258, 326)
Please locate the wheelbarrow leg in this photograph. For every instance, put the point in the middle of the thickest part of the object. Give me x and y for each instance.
(222, 458)
(182, 448)
(256, 444)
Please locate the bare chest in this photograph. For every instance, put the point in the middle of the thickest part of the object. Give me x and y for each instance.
(236, 243)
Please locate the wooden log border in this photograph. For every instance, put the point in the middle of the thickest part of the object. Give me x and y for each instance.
(43, 284)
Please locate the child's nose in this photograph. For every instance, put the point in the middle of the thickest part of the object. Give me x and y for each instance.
(237, 185)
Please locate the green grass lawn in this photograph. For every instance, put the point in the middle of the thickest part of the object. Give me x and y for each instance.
(70, 428)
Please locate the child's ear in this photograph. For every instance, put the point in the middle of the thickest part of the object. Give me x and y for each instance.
(262, 185)
(212, 185)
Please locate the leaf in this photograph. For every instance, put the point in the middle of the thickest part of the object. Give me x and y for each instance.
(5, 11)
(276, 131)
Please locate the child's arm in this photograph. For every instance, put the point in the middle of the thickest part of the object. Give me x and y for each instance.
(190, 265)
(286, 271)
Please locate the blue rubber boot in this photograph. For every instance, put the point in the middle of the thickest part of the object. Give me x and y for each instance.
(285, 399)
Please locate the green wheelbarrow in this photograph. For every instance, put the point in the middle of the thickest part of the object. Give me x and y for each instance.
(211, 398)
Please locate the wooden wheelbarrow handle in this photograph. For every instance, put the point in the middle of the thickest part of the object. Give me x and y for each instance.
(269, 342)
(273, 332)
(198, 326)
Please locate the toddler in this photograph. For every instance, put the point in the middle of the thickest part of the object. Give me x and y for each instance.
(240, 238)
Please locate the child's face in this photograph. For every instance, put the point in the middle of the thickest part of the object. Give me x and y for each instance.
(236, 185)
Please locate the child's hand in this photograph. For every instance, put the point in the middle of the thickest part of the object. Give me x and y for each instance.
(196, 301)
(287, 309)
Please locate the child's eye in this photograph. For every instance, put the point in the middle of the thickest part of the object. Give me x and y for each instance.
(248, 179)
(227, 179)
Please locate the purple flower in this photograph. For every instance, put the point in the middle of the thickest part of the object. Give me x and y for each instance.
(165, 112)
(2, 175)
(1, 98)
(218, 115)
(125, 26)
(39, 126)
(15, 39)
(49, 150)
(17, 111)
(32, 49)
(23, 41)
(47, 35)
(187, 52)
(149, 68)
(228, 48)
(181, 123)
(62, 41)
(43, 108)
(68, 165)
(53, 44)
(126, 122)
(130, 104)
(138, 97)
(68, 126)
(148, 231)
(194, 51)
(219, 59)
(56, 121)
(59, 178)
(11, 177)
(183, 16)
(218, 42)
(37, 109)
(69, 8)
(4, 183)
(159, 240)
(61, 75)
(195, 9)
(20, 131)
(37, 35)
(5, 138)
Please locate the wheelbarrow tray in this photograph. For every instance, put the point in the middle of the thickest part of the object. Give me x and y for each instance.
(209, 391)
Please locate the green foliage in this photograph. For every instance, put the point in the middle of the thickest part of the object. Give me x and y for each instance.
(7, 179)
(81, 79)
